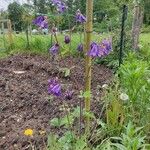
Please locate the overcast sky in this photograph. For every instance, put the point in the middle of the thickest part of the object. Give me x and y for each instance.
(4, 3)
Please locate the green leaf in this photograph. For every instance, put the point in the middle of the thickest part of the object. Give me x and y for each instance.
(56, 122)
(67, 72)
(87, 94)
(76, 112)
(89, 114)
(80, 144)
(119, 146)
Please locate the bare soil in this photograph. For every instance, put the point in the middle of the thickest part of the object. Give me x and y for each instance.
(24, 101)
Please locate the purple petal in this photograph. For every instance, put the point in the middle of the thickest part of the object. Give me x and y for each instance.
(79, 17)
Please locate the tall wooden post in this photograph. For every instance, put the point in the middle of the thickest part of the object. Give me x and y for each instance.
(3, 32)
(10, 38)
(136, 26)
(88, 62)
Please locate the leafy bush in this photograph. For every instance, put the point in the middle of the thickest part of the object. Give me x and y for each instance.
(134, 77)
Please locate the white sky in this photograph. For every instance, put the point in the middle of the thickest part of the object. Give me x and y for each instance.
(4, 3)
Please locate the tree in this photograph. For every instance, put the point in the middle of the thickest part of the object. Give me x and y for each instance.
(15, 12)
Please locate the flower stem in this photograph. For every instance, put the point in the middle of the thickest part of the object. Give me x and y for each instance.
(88, 61)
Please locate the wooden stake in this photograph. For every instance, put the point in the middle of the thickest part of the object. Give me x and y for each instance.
(10, 32)
(136, 26)
(88, 62)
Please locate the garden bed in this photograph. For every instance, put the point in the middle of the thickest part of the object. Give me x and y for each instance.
(24, 101)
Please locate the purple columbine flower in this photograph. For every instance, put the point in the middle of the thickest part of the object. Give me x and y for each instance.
(67, 39)
(61, 6)
(107, 46)
(38, 20)
(56, 2)
(100, 50)
(41, 21)
(54, 49)
(79, 17)
(44, 24)
(54, 87)
(68, 95)
(94, 50)
(80, 47)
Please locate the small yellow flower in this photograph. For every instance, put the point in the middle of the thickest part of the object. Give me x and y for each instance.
(28, 132)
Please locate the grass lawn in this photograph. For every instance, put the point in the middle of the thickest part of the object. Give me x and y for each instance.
(40, 44)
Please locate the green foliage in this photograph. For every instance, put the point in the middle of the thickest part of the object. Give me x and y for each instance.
(67, 120)
(131, 139)
(146, 11)
(114, 111)
(15, 12)
(145, 47)
(59, 122)
(65, 71)
(52, 143)
(134, 76)
(67, 142)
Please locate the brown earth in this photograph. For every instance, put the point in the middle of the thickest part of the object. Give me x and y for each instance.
(24, 101)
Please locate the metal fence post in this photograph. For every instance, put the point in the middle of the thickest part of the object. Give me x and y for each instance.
(124, 17)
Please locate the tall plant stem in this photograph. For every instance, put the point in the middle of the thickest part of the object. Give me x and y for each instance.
(88, 61)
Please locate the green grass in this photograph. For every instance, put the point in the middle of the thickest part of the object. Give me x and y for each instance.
(145, 38)
(40, 44)
(145, 47)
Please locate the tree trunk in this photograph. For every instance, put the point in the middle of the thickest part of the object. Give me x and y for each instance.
(136, 26)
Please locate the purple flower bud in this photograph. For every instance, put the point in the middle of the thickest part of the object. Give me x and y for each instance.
(54, 87)
(54, 49)
(79, 17)
(80, 47)
(67, 39)
(68, 95)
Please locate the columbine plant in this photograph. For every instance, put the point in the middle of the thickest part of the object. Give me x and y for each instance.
(91, 50)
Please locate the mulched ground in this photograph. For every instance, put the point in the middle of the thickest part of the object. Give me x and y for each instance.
(24, 101)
